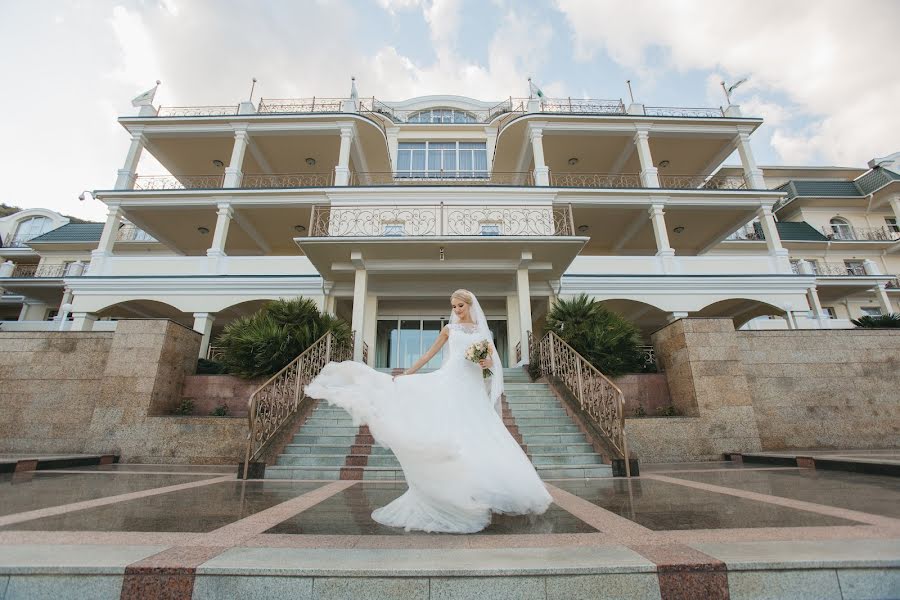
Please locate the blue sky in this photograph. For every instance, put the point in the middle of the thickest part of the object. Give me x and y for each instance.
(820, 73)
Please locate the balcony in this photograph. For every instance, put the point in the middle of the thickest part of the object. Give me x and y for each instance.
(39, 271)
(442, 178)
(633, 180)
(18, 241)
(440, 221)
(850, 233)
(832, 270)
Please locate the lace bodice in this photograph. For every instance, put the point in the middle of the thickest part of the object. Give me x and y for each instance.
(461, 337)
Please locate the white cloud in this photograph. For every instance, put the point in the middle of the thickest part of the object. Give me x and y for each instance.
(139, 63)
(831, 59)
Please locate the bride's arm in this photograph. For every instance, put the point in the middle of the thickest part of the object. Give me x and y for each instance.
(437, 345)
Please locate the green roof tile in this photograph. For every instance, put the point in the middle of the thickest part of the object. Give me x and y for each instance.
(801, 231)
(72, 232)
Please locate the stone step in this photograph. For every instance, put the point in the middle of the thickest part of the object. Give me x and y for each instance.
(547, 429)
(321, 421)
(553, 438)
(525, 422)
(573, 471)
(537, 413)
(331, 430)
(564, 459)
(574, 448)
(316, 449)
(318, 438)
(312, 460)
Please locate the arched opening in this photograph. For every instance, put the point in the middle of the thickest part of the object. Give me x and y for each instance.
(31, 228)
(442, 115)
(743, 310)
(647, 317)
(841, 229)
(146, 309)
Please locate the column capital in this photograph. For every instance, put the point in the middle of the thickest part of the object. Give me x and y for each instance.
(765, 210)
(656, 209)
(204, 315)
(535, 133)
(224, 209)
(347, 132)
(138, 136)
(642, 133)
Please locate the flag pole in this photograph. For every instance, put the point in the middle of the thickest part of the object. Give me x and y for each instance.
(252, 87)
(727, 95)
(630, 94)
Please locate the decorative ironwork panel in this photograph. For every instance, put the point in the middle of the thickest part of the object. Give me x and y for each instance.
(578, 105)
(375, 221)
(868, 234)
(833, 270)
(690, 113)
(468, 220)
(440, 177)
(698, 182)
(287, 180)
(39, 271)
(132, 233)
(178, 182)
(596, 180)
(300, 105)
(600, 399)
(197, 111)
(214, 353)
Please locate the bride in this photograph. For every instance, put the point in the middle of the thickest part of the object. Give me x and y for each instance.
(445, 429)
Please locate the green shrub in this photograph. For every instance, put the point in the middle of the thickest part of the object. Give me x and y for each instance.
(602, 337)
(210, 367)
(639, 411)
(220, 411)
(891, 321)
(265, 342)
(667, 411)
(185, 408)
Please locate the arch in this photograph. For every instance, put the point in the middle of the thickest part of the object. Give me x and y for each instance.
(145, 309)
(841, 228)
(442, 114)
(740, 310)
(646, 316)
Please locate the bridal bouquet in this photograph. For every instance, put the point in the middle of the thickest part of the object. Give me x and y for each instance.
(479, 351)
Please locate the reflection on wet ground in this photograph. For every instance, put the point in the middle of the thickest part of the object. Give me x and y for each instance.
(661, 506)
(876, 494)
(20, 492)
(200, 509)
(349, 513)
(135, 468)
(706, 466)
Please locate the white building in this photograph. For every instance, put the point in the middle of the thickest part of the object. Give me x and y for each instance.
(378, 210)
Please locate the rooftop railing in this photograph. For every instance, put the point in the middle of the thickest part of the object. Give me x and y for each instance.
(438, 220)
(575, 105)
(299, 105)
(178, 182)
(441, 177)
(865, 234)
(689, 113)
(699, 182)
(197, 111)
(747, 233)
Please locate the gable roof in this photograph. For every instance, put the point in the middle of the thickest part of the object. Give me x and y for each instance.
(799, 231)
(72, 232)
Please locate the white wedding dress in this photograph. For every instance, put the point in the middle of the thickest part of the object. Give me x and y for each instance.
(460, 461)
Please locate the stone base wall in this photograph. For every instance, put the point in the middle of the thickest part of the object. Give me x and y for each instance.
(824, 388)
(109, 393)
(650, 391)
(208, 392)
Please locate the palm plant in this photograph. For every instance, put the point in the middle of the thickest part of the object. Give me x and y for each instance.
(602, 337)
(265, 342)
(888, 321)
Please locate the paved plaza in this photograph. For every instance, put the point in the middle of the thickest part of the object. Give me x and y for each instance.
(691, 530)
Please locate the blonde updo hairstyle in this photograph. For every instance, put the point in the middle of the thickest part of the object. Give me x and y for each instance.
(464, 295)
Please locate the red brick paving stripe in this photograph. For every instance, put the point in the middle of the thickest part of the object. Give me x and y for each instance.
(840, 513)
(685, 573)
(358, 459)
(168, 575)
(617, 528)
(28, 464)
(66, 508)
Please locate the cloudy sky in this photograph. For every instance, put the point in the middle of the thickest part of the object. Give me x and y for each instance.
(822, 74)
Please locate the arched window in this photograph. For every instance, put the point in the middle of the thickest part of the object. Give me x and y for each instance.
(442, 115)
(841, 229)
(31, 228)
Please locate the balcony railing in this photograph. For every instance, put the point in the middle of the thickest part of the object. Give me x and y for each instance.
(747, 233)
(440, 220)
(197, 111)
(287, 180)
(690, 113)
(444, 115)
(440, 177)
(833, 270)
(699, 182)
(866, 234)
(17, 241)
(300, 105)
(132, 233)
(178, 182)
(28, 271)
(595, 180)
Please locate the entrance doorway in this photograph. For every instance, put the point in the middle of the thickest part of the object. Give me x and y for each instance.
(400, 341)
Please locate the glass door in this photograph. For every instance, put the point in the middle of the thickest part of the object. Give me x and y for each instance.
(399, 342)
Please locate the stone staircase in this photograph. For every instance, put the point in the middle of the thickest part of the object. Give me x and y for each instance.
(328, 446)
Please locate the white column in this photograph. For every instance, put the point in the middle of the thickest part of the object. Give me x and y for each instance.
(674, 316)
(203, 324)
(7, 269)
(541, 171)
(328, 298)
(394, 145)
(523, 291)
(752, 173)
(513, 330)
(63, 310)
(125, 179)
(82, 321)
(649, 172)
(342, 170)
(224, 215)
(895, 206)
(234, 171)
(357, 322)
(870, 267)
(107, 239)
(663, 249)
(773, 241)
(816, 305)
(883, 300)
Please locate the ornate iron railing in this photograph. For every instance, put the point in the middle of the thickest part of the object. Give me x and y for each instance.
(748, 233)
(691, 113)
(178, 182)
(132, 233)
(40, 271)
(214, 352)
(596, 180)
(833, 270)
(299, 105)
(197, 111)
(17, 241)
(278, 399)
(866, 234)
(518, 352)
(698, 182)
(365, 353)
(575, 105)
(440, 220)
(442, 178)
(649, 353)
(287, 180)
(599, 398)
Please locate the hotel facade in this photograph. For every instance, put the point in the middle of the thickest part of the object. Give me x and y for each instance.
(379, 210)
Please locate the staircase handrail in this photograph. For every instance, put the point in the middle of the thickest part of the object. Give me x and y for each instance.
(600, 399)
(273, 403)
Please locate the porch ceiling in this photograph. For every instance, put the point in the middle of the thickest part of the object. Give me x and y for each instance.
(835, 289)
(337, 258)
(48, 290)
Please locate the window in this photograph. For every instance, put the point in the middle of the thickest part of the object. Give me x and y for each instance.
(814, 265)
(891, 224)
(31, 228)
(855, 267)
(871, 311)
(489, 229)
(439, 160)
(393, 230)
(442, 115)
(829, 312)
(841, 229)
